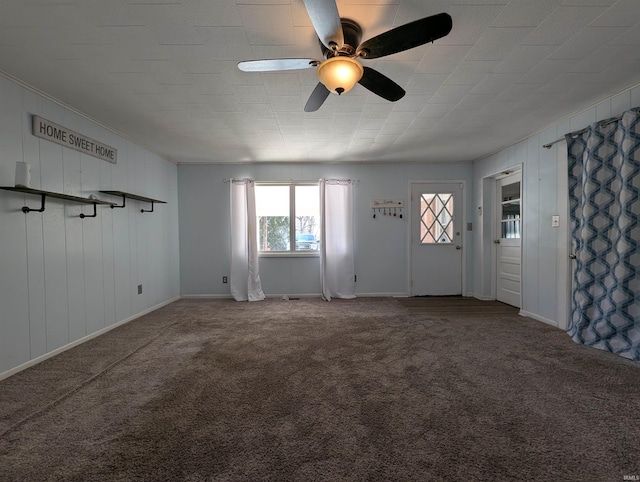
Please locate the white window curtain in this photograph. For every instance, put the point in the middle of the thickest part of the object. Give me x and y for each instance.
(336, 245)
(245, 273)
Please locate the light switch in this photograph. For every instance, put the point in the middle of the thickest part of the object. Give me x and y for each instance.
(555, 221)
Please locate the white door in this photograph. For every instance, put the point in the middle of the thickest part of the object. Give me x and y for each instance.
(508, 229)
(436, 239)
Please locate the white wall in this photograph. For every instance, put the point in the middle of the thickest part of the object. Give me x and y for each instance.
(544, 250)
(63, 278)
(381, 243)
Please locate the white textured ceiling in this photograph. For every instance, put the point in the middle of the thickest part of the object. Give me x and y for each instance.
(164, 72)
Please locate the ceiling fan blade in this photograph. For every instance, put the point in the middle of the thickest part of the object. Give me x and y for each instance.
(381, 85)
(317, 98)
(326, 22)
(271, 65)
(407, 36)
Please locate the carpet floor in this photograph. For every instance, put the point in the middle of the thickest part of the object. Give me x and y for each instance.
(305, 390)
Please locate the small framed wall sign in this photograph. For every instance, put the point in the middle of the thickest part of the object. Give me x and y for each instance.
(53, 132)
(387, 203)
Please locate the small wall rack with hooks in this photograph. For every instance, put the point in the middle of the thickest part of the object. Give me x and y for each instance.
(67, 197)
(127, 195)
(387, 207)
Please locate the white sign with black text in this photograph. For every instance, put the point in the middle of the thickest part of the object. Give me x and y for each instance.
(65, 137)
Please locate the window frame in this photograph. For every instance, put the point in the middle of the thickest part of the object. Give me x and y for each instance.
(436, 219)
(292, 253)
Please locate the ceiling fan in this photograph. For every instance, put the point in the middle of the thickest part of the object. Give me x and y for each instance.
(341, 48)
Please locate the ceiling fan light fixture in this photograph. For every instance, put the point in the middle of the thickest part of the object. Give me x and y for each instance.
(339, 74)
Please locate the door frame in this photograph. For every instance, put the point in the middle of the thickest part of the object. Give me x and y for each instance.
(463, 228)
(495, 219)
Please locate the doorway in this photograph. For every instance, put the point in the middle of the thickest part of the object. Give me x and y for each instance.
(507, 239)
(435, 265)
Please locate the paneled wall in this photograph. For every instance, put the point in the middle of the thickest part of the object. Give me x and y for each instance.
(544, 248)
(63, 278)
(380, 244)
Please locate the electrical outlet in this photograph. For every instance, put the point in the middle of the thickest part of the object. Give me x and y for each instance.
(139, 289)
(225, 280)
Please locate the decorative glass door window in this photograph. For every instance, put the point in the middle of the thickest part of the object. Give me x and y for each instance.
(510, 220)
(436, 218)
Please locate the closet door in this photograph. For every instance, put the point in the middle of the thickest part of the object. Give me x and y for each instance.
(507, 240)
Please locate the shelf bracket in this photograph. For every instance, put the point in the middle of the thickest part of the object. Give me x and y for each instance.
(124, 201)
(147, 210)
(95, 213)
(27, 209)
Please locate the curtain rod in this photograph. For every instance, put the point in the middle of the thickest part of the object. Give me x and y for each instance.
(572, 134)
(603, 123)
(342, 180)
(226, 181)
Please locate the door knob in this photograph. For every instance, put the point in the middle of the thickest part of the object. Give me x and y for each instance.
(496, 241)
(573, 256)
(458, 247)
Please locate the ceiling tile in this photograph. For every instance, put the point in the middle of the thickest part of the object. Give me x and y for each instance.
(442, 60)
(450, 94)
(497, 43)
(471, 71)
(524, 58)
(426, 83)
(565, 22)
(624, 13)
(630, 37)
(495, 83)
(267, 24)
(586, 41)
(525, 13)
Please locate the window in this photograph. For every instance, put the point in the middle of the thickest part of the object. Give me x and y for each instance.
(510, 201)
(277, 204)
(436, 218)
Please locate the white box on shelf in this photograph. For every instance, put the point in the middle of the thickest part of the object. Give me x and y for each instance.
(23, 174)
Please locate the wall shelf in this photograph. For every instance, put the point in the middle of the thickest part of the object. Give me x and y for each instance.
(127, 195)
(66, 197)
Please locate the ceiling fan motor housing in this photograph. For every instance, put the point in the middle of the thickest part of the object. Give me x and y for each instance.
(352, 37)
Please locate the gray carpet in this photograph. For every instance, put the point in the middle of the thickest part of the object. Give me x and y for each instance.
(306, 390)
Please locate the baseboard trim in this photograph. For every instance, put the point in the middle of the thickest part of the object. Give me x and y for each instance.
(382, 295)
(293, 295)
(206, 297)
(80, 341)
(297, 295)
(481, 297)
(528, 314)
